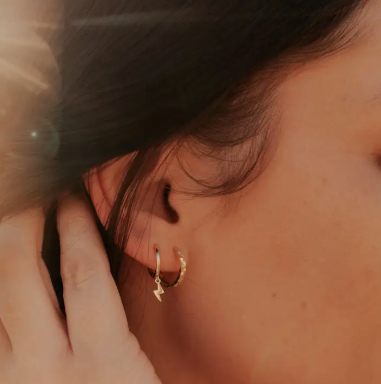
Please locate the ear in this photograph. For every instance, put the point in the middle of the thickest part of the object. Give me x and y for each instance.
(157, 223)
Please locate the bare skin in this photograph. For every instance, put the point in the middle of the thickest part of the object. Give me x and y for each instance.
(37, 345)
(284, 282)
(284, 278)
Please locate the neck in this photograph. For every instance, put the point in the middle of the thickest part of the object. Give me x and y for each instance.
(158, 327)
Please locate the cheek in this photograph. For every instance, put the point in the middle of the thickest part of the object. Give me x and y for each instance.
(295, 270)
(318, 273)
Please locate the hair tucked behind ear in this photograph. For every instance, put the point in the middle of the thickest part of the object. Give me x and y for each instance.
(115, 77)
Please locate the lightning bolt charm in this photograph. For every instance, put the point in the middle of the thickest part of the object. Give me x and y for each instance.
(159, 291)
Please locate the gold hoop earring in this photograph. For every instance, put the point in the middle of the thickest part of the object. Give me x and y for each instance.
(159, 280)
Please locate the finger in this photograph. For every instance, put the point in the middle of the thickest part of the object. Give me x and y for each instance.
(26, 310)
(48, 285)
(95, 315)
(5, 342)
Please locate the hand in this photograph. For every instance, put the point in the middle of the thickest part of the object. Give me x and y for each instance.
(37, 345)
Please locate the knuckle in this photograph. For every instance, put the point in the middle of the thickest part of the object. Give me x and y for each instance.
(77, 225)
(79, 269)
(15, 253)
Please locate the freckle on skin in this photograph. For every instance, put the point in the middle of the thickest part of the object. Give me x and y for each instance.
(275, 295)
(303, 305)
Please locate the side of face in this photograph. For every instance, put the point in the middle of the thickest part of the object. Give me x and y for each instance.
(284, 277)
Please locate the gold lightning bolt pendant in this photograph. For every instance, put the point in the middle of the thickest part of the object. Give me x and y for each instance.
(159, 291)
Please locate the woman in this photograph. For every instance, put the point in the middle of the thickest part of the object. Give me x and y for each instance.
(235, 145)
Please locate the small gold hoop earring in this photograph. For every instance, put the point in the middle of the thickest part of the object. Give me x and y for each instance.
(159, 280)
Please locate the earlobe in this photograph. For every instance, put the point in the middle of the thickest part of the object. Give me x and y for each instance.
(160, 280)
(155, 223)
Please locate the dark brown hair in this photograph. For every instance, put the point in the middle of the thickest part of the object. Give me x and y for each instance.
(131, 77)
